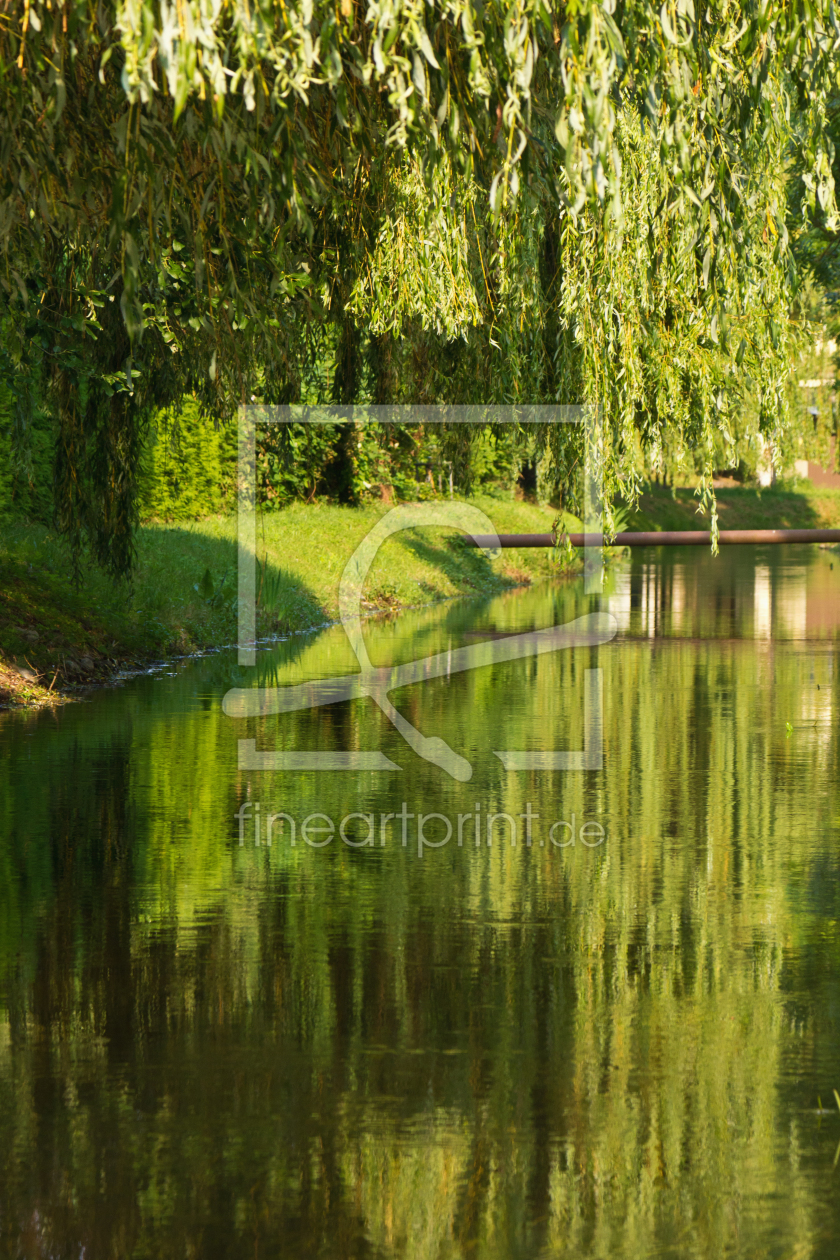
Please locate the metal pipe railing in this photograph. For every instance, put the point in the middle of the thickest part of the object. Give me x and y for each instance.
(663, 538)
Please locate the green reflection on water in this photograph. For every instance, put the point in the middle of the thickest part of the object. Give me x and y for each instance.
(210, 1048)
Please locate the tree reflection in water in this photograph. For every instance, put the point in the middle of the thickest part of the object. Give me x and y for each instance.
(495, 1052)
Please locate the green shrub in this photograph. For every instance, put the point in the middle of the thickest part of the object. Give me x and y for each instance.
(188, 467)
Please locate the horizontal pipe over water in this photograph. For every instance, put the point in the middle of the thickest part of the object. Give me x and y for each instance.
(665, 538)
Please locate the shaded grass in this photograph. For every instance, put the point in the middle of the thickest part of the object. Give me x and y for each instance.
(786, 505)
(184, 592)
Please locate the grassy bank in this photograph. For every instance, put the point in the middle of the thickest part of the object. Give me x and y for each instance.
(786, 505)
(55, 639)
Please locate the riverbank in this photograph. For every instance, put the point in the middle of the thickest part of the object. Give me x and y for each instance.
(56, 640)
(785, 505)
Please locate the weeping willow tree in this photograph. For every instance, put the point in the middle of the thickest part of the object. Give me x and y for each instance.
(685, 348)
(579, 202)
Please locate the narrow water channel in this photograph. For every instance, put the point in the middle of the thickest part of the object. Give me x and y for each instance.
(588, 1011)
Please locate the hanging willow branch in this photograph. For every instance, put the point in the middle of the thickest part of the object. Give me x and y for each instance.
(235, 175)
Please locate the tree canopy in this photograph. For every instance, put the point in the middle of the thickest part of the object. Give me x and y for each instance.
(406, 201)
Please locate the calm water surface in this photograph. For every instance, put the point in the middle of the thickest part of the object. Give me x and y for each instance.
(616, 1049)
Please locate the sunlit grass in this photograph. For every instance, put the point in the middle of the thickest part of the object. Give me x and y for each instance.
(184, 591)
(785, 505)
(183, 594)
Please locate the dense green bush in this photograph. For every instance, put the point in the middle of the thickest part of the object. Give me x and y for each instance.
(188, 466)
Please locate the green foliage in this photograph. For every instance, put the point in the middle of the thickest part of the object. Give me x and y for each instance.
(409, 202)
(7, 480)
(189, 466)
(25, 473)
(421, 266)
(667, 330)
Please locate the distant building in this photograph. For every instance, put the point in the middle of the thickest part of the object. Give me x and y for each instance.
(815, 474)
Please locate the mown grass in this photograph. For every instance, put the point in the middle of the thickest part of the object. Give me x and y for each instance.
(785, 505)
(184, 594)
(184, 590)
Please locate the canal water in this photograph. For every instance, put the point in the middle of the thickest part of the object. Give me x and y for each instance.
(588, 1012)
